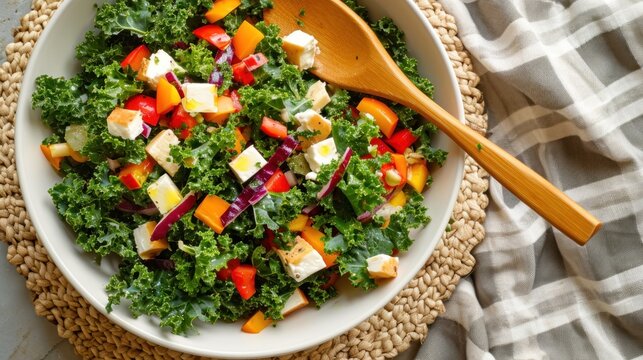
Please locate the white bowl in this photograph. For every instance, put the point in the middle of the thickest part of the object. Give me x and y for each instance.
(54, 55)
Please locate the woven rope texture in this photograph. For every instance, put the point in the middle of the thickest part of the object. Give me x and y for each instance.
(390, 331)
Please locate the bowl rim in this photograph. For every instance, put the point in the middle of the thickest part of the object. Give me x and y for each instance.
(21, 168)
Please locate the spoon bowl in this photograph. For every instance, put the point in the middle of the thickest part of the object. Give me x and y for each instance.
(353, 58)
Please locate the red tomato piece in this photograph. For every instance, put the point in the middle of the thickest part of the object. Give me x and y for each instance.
(146, 105)
(225, 273)
(241, 74)
(401, 140)
(133, 176)
(182, 120)
(214, 34)
(255, 61)
(135, 58)
(278, 183)
(274, 128)
(243, 277)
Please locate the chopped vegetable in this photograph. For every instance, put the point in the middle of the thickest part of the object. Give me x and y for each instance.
(210, 211)
(246, 39)
(134, 59)
(402, 140)
(220, 9)
(277, 183)
(273, 128)
(315, 238)
(417, 176)
(174, 215)
(146, 105)
(384, 117)
(213, 34)
(133, 176)
(167, 97)
(243, 277)
(256, 323)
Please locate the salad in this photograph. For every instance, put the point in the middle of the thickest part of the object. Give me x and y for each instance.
(196, 147)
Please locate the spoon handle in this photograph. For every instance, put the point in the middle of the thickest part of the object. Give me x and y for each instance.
(539, 194)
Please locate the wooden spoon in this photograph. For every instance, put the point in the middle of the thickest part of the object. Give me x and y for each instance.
(353, 58)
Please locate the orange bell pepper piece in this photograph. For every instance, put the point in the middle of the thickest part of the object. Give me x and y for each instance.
(385, 118)
(210, 211)
(401, 166)
(299, 223)
(54, 161)
(256, 323)
(240, 141)
(246, 40)
(398, 199)
(220, 9)
(225, 107)
(417, 176)
(314, 238)
(167, 97)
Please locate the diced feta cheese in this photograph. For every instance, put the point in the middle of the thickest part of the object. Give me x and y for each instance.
(295, 302)
(311, 176)
(302, 260)
(246, 164)
(310, 120)
(318, 95)
(145, 248)
(159, 64)
(159, 150)
(164, 194)
(127, 124)
(322, 153)
(382, 266)
(200, 98)
(301, 49)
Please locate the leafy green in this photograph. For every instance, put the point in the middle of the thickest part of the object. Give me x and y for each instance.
(59, 100)
(357, 136)
(361, 185)
(277, 210)
(124, 15)
(338, 105)
(353, 262)
(197, 60)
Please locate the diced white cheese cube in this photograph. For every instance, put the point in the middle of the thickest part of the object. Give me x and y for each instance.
(200, 98)
(318, 95)
(302, 260)
(159, 150)
(322, 153)
(145, 248)
(382, 266)
(164, 194)
(310, 120)
(295, 302)
(159, 64)
(301, 49)
(127, 124)
(246, 164)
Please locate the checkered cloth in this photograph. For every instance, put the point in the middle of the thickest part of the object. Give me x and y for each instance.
(564, 88)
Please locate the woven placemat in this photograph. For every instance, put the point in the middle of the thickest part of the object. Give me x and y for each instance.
(405, 319)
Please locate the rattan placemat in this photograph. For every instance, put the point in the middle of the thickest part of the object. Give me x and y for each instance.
(405, 319)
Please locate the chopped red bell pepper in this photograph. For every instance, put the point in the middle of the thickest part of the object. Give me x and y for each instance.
(135, 58)
(401, 140)
(133, 176)
(182, 120)
(354, 112)
(255, 61)
(386, 168)
(274, 128)
(241, 74)
(225, 273)
(214, 34)
(278, 183)
(269, 240)
(382, 148)
(243, 277)
(146, 105)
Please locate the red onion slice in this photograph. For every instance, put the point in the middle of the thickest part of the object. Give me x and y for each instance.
(163, 226)
(250, 193)
(174, 80)
(216, 78)
(127, 207)
(225, 56)
(337, 175)
(147, 130)
(311, 210)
